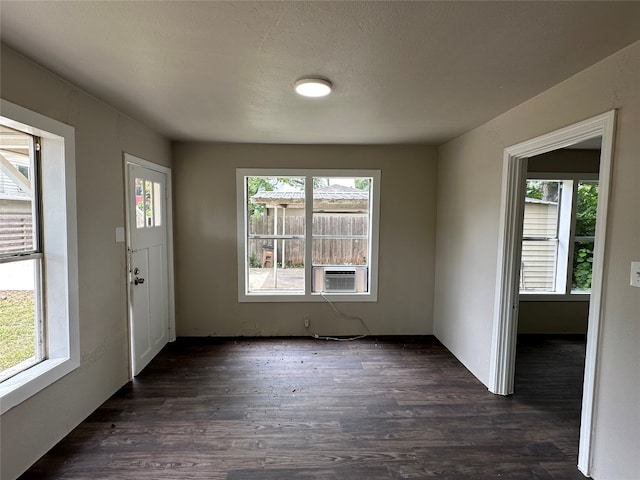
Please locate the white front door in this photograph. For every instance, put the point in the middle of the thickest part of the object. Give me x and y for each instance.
(148, 284)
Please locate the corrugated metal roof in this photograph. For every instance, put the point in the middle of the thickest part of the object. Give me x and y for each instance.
(333, 192)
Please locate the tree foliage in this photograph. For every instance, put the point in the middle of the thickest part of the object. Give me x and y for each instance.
(362, 183)
(547, 190)
(254, 185)
(586, 209)
(534, 190)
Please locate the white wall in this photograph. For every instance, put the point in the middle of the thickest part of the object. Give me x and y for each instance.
(102, 134)
(206, 253)
(469, 184)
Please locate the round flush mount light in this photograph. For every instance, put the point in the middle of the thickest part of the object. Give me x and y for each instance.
(313, 87)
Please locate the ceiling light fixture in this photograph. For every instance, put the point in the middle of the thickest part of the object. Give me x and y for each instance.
(313, 87)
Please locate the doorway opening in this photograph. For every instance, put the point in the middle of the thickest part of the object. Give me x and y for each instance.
(507, 298)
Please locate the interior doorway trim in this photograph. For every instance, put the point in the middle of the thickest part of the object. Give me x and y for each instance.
(505, 325)
(132, 159)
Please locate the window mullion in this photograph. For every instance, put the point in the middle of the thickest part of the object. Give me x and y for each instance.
(308, 233)
(41, 346)
(571, 238)
(36, 202)
(564, 232)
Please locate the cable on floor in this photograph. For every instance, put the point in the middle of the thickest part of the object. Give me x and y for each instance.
(340, 314)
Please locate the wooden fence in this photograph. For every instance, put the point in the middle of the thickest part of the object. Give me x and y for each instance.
(16, 232)
(325, 251)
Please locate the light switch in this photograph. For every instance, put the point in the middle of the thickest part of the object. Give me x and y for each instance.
(635, 274)
(119, 234)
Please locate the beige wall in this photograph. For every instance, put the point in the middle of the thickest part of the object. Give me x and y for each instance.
(553, 317)
(206, 255)
(468, 179)
(469, 186)
(565, 161)
(102, 134)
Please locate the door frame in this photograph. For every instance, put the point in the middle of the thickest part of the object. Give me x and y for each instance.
(505, 324)
(132, 159)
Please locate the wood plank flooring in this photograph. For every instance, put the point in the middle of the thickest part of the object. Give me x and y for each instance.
(297, 408)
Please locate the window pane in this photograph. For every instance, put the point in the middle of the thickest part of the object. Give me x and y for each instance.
(148, 203)
(586, 207)
(275, 205)
(541, 209)
(341, 195)
(341, 224)
(266, 270)
(540, 236)
(17, 206)
(340, 220)
(582, 267)
(139, 203)
(18, 331)
(344, 251)
(157, 195)
(538, 267)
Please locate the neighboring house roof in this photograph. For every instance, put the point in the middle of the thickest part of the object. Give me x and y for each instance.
(332, 198)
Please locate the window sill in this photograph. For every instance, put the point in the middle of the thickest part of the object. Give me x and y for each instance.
(24, 385)
(301, 298)
(555, 297)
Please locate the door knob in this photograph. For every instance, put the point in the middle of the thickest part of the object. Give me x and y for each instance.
(138, 281)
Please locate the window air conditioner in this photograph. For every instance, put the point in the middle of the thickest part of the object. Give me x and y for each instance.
(340, 279)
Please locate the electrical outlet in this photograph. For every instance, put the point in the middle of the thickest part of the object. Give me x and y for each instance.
(635, 274)
(307, 321)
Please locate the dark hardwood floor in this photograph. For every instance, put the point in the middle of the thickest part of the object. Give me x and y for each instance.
(385, 408)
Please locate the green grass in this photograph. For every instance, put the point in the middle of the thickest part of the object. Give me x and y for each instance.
(17, 325)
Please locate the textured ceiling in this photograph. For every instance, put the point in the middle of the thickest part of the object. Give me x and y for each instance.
(403, 71)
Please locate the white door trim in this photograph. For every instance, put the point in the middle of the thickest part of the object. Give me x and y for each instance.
(132, 159)
(505, 325)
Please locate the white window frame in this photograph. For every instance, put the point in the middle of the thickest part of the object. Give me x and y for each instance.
(307, 295)
(566, 238)
(60, 254)
(33, 254)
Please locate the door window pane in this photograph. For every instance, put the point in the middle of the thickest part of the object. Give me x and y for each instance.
(139, 186)
(148, 203)
(157, 195)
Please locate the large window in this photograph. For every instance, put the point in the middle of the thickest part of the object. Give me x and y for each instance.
(38, 254)
(307, 233)
(558, 235)
(21, 326)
